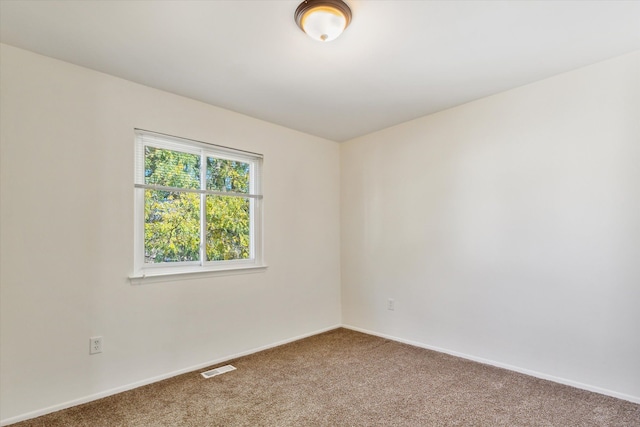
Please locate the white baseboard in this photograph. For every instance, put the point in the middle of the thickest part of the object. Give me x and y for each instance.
(587, 387)
(106, 393)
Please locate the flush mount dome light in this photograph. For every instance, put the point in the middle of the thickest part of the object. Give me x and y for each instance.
(323, 20)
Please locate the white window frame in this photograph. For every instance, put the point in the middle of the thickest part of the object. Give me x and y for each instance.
(142, 269)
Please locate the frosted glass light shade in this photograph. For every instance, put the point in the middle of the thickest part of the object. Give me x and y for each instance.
(323, 20)
(323, 23)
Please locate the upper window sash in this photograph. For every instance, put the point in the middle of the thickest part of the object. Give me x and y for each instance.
(166, 142)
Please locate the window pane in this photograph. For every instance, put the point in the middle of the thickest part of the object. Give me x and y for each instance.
(171, 226)
(171, 168)
(227, 228)
(227, 175)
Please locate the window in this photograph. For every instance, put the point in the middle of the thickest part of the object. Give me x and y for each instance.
(198, 207)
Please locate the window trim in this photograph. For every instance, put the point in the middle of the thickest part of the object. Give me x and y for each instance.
(143, 270)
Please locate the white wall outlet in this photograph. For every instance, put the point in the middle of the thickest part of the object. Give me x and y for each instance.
(95, 345)
(391, 304)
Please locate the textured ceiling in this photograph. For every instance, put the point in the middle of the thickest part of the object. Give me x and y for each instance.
(397, 61)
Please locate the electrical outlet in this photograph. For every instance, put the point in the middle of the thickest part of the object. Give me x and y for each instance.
(95, 345)
(391, 304)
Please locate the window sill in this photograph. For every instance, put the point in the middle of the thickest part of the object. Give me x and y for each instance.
(153, 276)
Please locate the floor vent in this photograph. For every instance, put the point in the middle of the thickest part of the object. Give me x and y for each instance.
(218, 371)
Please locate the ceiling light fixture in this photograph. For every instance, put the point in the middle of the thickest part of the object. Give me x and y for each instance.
(323, 20)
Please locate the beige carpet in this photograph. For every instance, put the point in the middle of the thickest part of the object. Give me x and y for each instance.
(345, 378)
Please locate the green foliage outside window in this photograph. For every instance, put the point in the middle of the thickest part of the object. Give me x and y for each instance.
(172, 218)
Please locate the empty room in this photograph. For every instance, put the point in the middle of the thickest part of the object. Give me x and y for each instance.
(319, 213)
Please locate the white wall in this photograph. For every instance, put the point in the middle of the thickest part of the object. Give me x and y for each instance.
(67, 238)
(506, 229)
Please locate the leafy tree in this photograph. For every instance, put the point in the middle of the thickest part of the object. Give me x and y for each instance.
(172, 218)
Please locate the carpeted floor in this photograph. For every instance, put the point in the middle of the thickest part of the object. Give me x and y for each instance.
(346, 378)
